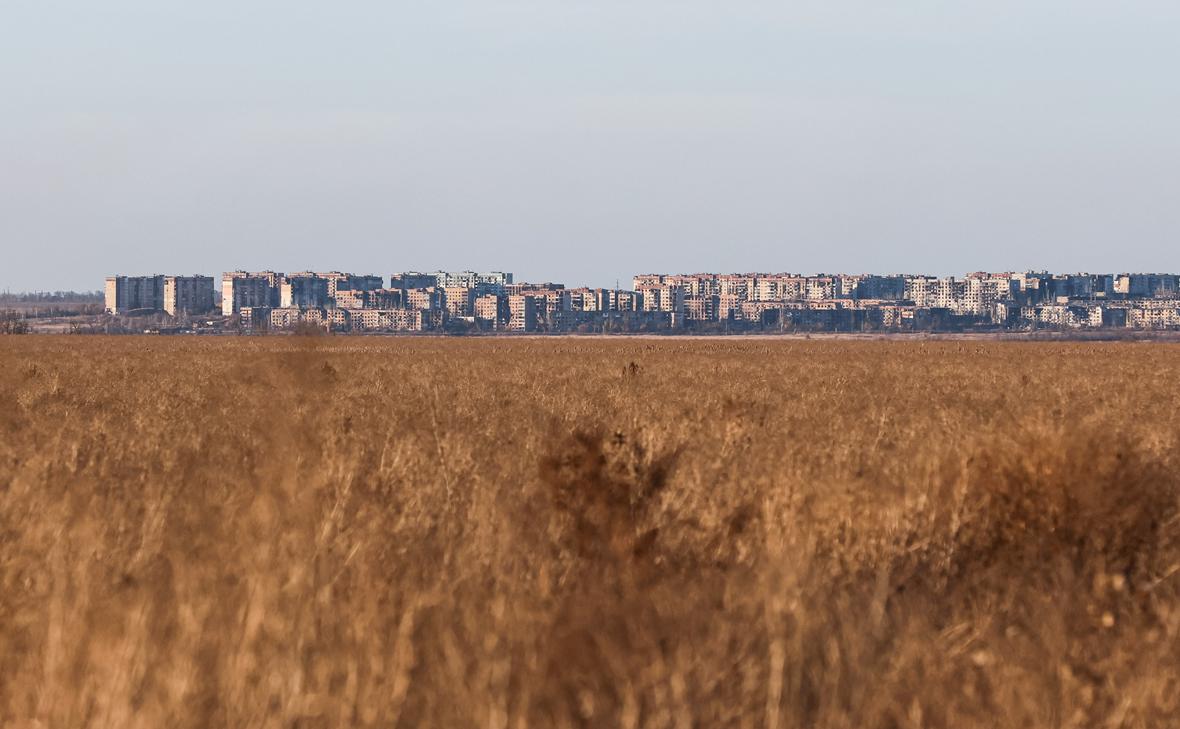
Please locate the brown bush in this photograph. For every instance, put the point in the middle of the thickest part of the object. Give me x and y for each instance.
(422, 532)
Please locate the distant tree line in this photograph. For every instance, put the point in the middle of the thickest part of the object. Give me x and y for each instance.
(51, 297)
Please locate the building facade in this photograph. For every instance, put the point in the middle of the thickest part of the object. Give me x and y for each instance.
(134, 293)
(188, 295)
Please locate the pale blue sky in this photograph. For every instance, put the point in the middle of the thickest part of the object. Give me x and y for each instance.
(586, 141)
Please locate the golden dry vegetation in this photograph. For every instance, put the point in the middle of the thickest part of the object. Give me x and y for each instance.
(332, 532)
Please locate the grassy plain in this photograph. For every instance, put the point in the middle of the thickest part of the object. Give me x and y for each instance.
(334, 531)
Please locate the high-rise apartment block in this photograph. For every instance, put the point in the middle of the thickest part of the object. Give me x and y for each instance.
(491, 282)
(188, 294)
(240, 289)
(459, 301)
(412, 280)
(133, 293)
(338, 281)
(303, 291)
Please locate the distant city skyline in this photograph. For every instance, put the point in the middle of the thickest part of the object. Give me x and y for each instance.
(587, 141)
(464, 302)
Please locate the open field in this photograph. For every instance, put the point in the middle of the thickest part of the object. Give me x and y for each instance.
(323, 532)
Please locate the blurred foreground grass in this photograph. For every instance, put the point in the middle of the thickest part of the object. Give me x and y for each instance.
(660, 533)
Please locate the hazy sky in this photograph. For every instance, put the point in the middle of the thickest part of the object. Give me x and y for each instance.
(586, 141)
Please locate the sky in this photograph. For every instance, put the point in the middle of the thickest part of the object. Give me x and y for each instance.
(586, 141)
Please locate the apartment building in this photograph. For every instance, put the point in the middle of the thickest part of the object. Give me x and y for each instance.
(370, 299)
(396, 320)
(1163, 314)
(491, 309)
(254, 317)
(881, 288)
(240, 289)
(427, 299)
(625, 301)
(1146, 285)
(338, 281)
(587, 300)
(704, 308)
(820, 288)
(483, 283)
(412, 280)
(459, 301)
(665, 298)
(983, 291)
(188, 295)
(125, 294)
(305, 290)
(522, 313)
(779, 287)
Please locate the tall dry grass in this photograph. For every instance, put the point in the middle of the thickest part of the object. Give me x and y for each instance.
(637, 533)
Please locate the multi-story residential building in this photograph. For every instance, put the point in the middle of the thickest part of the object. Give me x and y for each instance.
(133, 293)
(426, 299)
(338, 281)
(820, 288)
(738, 286)
(625, 301)
(949, 294)
(240, 289)
(587, 300)
(1144, 285)
(491, 282)
(394, 320)
(1034, 286)
(727, 306)
(412, 280)
(984, 290)
(1072, 286)
(188, 294)
(922, 290)
(387, 299)
(350, 299)
(286, 317)
(703, 308)
(1103, 283)
(522, 313)
(459, 301)
(1149, 314)
(491, 309)
(371, 299)
(882, 288)
(694, 285)
(1061, 316)
(550, 306)
(646, 280)
(254, 317)
(304, 290)
(778, 287)
(665, 298)
(516, 289)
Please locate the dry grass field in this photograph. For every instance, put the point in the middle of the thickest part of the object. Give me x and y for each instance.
(333, 532)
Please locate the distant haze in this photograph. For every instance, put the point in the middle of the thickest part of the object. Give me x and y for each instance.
(586, 141)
